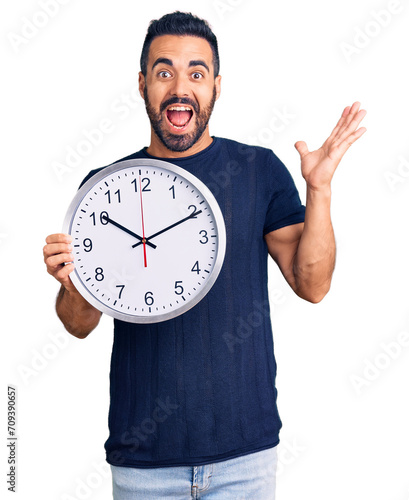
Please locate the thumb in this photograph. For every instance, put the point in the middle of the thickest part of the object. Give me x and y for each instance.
(301, 147)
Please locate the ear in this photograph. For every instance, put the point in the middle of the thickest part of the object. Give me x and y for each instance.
(217, 83)
(142, 84)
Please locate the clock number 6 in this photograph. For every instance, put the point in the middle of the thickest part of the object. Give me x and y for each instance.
(149, 298)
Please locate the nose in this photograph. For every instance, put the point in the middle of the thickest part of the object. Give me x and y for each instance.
(180, 86)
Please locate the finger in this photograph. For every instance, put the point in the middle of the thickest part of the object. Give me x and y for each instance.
(355, 107)
(56, 262)
(56, 248)
(301, 147)
(344, 115)
(356, 135)
(62, 275)
(351, 115)
(343, 147)
(346, 118)
(351, 127)
(58, 238)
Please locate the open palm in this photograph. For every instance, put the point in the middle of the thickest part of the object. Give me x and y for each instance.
(318, 166)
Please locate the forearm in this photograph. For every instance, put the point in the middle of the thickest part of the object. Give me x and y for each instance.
(78, 316)
(314, 260)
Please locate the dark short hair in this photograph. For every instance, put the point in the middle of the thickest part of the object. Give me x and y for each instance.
(180, 24)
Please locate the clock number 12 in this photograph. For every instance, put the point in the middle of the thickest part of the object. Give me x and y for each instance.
(145, 188)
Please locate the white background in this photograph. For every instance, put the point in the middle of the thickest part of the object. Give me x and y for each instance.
(74, 70)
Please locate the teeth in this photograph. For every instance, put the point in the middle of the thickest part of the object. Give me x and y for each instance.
(179, 108)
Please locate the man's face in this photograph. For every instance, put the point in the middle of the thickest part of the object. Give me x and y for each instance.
(179, 90)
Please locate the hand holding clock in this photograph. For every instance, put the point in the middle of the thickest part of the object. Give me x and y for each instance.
(58, 259)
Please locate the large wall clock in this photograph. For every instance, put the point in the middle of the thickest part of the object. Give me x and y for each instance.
(149, 240)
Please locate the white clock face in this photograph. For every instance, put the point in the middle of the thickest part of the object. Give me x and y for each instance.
(149, 240)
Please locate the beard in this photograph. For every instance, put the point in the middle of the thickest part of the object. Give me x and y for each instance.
(179, 142)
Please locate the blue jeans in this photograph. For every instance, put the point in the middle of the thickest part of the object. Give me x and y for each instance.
(247, 477)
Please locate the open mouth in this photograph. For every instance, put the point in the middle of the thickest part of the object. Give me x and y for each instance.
(179, 116)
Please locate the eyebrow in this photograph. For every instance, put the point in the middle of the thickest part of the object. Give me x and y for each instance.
(169, 62)
(162, 60)
(199, 63)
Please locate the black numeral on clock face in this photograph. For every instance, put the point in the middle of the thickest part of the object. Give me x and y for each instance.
(147, 182)
(117, 193)
(121, 287)
(149, 298)
(205, 238)
(99, 274)
(193, 211)
(87, 244)
(102, 219)
(178, 288)
(145, 188)
(195, 268)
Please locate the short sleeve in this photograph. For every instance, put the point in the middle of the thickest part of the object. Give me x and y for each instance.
(285, 207)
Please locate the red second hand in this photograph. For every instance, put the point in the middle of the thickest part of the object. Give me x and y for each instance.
(143, 225)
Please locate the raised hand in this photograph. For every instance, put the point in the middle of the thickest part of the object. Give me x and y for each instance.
(318, 166)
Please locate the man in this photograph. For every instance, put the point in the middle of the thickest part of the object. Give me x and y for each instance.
(205, 380)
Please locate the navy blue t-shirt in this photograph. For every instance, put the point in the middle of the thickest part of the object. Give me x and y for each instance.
(200, 388)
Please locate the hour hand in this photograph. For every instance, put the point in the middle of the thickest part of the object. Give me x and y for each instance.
(119, 226)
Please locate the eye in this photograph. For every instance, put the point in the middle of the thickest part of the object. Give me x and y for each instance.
(164, 74)
(197, 76)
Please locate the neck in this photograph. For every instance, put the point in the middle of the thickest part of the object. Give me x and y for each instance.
(158, 149)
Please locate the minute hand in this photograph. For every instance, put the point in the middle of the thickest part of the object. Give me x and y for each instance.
(191, 216)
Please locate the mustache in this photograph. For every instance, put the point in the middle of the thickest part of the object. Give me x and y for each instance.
(179, 100)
